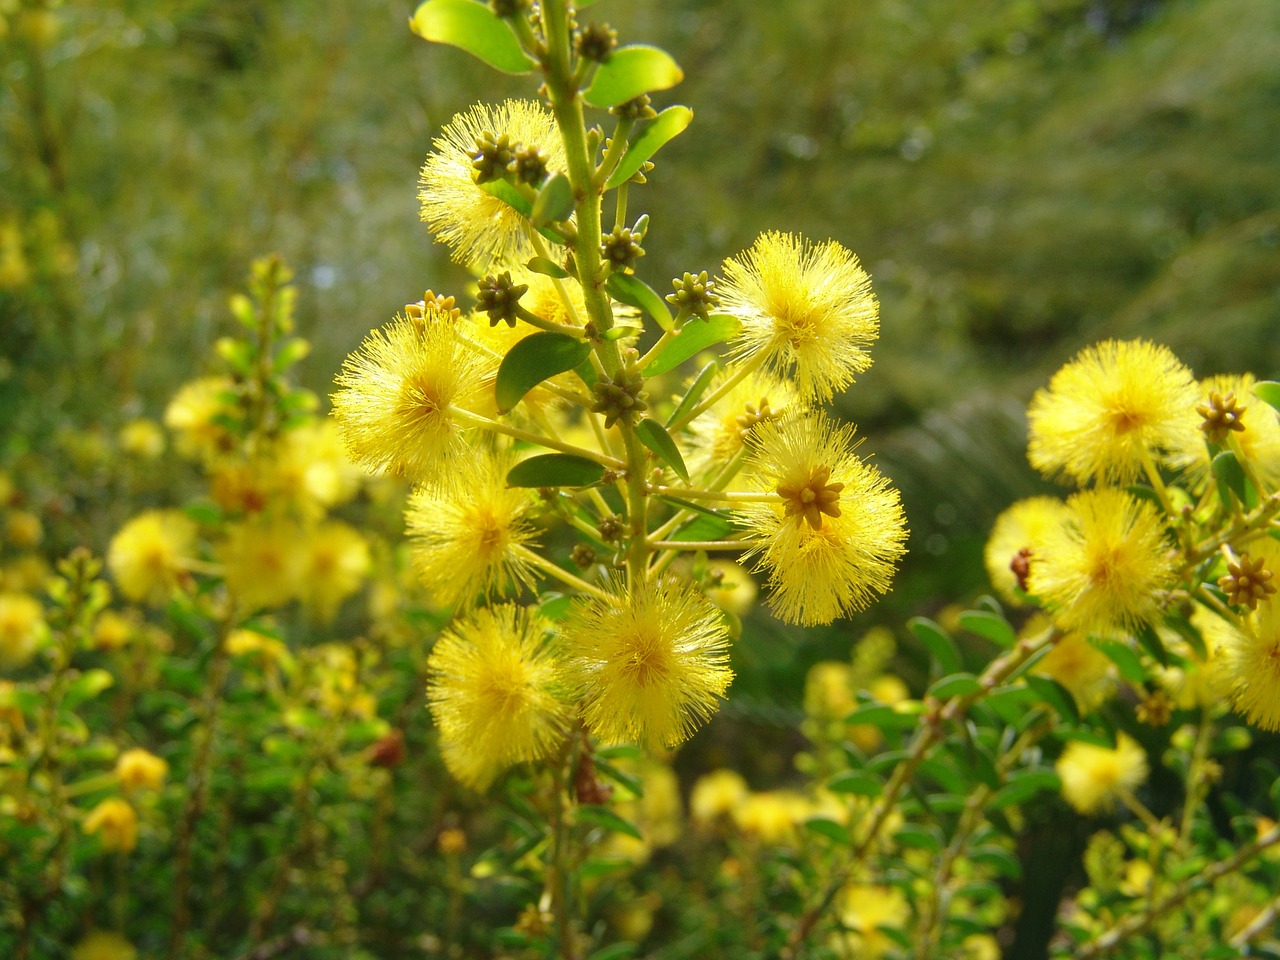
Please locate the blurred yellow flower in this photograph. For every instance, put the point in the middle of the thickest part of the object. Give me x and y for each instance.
(1246, 664)
(112, 631)
(261, 562)
(23, 529)
(193, 415)
(150, 554)
(717, 794)
(1093, 777)
(1076, 664)
(808, 313)
(864, 910)
(138, 769)
(772, 817)
(1015, 541)
(142, 438)
(102, 945)
(335, 563)
(720, 434)
(648, 666)
(22, 629)
(1111, 408)
(115, 821)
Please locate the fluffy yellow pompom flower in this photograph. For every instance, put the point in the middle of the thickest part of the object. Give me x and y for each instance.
(116, 822)
(772, 817)
(832, 542)
(717, 794)
(1246, 665)
(648, 667)
(1015, 540)
(150, 554)
(262, 563)
(479, 229)
(721, 433)
(1257, 435)
(1111, 409)
(193, 414)
(22, 628)
(492, 693)
(397, 390)
(807, 312)
(1106, 566)
(335, 563)
(102, 945)
(142, 438)
(865, 910)
(1094, 777)
(469, 534)
(138, 769)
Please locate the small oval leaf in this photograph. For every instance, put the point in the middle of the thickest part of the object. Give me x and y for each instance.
(603, 817)
(1268, 391)
(555, 470)
(1230, 476)
(825, 827)
(990, 625)
(520, 204)
(548, 268)
(694, 337)
(668, 125)
(554, 201)
(631, 71)
(860, 783)
(956, 685)
(654, 436)
(696, 389)
(534, 359)
(939, 644)
(629, 289)
(472, 27)
(1055, 695)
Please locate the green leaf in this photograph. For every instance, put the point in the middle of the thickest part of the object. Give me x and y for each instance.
(918, 837)
(633, 784)
(828, 828)
(629, 289)
(669, 124)
(704, 527)
(518, 202)
(1126, 661)
(616, 951)
(237, 353)
(204, 511)
(1268, 391)
(939, 644)
(472, 27)
(548, 268)
(608, 820)
(990, 625)
(533, 360)
(694, 337)
(85, 687)
(631, 71)
(860, 783)
(553, 202)
(696, 389)
(290, 352)
(1055, 695)
(555, 470)
(1022, 786)
(882, 716)
(654, 436)
(1004, 862)
(1230, 476)
(1151, 642)
(555, 606)
(955, 685)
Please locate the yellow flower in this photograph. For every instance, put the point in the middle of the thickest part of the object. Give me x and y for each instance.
(115, 820)
(112, 631)
(269, 650)
(647, 667)
(828, 691)
(1115, 405)
(864, 910)
(721, 433)
(193, 415)
(658, 813)
(492, 693)
(396, 392)
(1259, 440)
(1094, 777)
(469, 534)
(807, 312)
(24, 529)
(717, 794)
(335, 563)
(261, 562)
(1106, 566)
(137, 769)
(22, 628)
(732, 589)
(479, 229)
(772, 817)
(1078, 665)
(101, 945)
(833, 541)
(150, 555)
(1246, 665)
(142, 438)
(1015, 540)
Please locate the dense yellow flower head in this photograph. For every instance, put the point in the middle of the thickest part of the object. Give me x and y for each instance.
(1258, 440)
(142, 438)
(139, 769)
(335, 564)
(720, 433)
(103, 945)
(116, 823)
(731, 587)
(112, 631)
(772, 817)
(1109, 409)
(648, 666)
(492, 693)
(193, 415)
(833, 542)
(479, 229)
(717, 794)
(1093, 777)
(1106, 566)
(1015, 541)
(310, 470)
(807, 311)
(468, 533)
(22, 628)
(1246, 664)
(150, 555)
(261, 562)
(1078, 665)
(865, 909)
(395, 394)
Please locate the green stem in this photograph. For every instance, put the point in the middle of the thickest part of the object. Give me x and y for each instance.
(484, 423)
(729, 496)
(700, 544)
(560, 573)
(743, 370)
(551, 326)
(617, 146)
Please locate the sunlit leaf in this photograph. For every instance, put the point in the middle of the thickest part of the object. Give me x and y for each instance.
(696, 389)
(473, 27)
(939, 644)
(990, 625)
(555, 470)
(607, 819)
(955, 685)
(533, 360)
(631, 71)
(629, 289)
(1022, 786)
(694, 337)
(860, 783)
(1268, 391)
(548, 268)
(669, 124)
(553, 202)
(654, 436)
(825, 827)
